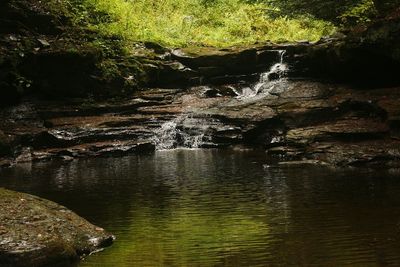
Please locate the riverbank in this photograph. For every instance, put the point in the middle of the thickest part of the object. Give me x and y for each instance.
(38, 232)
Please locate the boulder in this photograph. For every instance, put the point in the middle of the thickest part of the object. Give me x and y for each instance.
(37, 232)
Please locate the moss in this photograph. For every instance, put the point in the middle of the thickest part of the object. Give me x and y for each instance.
(77, 62)
(52, 234)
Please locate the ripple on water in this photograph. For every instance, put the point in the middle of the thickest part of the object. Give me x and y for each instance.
(222, 208)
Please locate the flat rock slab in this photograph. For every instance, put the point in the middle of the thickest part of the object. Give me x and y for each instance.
(290, 121)
(36, 232)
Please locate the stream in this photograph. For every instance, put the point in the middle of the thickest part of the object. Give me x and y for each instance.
(197, 207)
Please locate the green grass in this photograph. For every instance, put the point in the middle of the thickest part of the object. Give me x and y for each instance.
(219, 23)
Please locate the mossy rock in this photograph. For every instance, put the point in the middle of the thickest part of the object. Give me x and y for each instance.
(37, 232)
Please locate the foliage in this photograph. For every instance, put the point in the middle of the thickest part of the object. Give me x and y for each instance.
(343, 12)
(195, 22)
(360, 13)
(324, 9)
(217, 22)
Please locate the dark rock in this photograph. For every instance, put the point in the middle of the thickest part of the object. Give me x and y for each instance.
(228, 90)
(221, 66)
(5, 144)
(273, 76)
(170, 75)
(204, 57)
(366, 59)
(266, 56)
(230, 79)
(10, 94)
(157, 48)
(301, 163)
(18, 16)
(71, 78)
(212, 92)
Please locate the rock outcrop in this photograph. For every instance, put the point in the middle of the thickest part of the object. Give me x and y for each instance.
(38, 232)
(294, 120)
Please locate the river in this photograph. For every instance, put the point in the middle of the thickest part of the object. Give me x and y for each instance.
(194, 207)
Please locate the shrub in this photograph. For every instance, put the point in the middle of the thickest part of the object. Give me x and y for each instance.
(218, 23)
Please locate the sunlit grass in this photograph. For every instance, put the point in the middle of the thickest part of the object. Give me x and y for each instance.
(218, 23)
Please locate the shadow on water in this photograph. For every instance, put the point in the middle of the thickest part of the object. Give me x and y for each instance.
(223, 208)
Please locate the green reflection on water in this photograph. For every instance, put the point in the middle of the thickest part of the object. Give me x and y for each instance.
(222, 208)
(186, 237)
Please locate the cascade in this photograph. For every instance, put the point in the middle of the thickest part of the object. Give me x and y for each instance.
(186, 131)
(268, 80)
(182, 132)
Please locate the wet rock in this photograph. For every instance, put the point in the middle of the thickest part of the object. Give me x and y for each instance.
(72, 78)
(366, 59)
(224, 66)
(375, 152)
(294, 120)
(353, 130)
(273, 76)
(233, 59)
(227, 90)
(301, 163)
(5, 144)
(24, 156)
(212, 92)
(305, 90)
(242, 112)
(38, 232)
(10, 94)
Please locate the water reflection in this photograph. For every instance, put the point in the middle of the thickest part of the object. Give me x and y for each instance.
(222, 208)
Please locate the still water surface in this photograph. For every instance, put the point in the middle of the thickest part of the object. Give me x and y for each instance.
(225, 208)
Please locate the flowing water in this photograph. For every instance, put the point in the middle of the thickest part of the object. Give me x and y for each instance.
(186, 131)
(183, 131)
(225, 208)
(268, 81)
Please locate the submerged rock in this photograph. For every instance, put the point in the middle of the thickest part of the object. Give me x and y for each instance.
(37, 232)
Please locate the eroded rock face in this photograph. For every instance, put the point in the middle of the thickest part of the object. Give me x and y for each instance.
(38, 232)
(296, 120)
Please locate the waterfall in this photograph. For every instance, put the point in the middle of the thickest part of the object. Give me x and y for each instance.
(268, 80)
(186, 131)
(165, 137)
(183, 131)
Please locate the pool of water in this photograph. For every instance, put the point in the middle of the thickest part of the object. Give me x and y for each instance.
(225, 208)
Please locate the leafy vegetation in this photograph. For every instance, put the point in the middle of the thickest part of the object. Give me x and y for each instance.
(342, 13)
(331, 10)
(218, 23)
